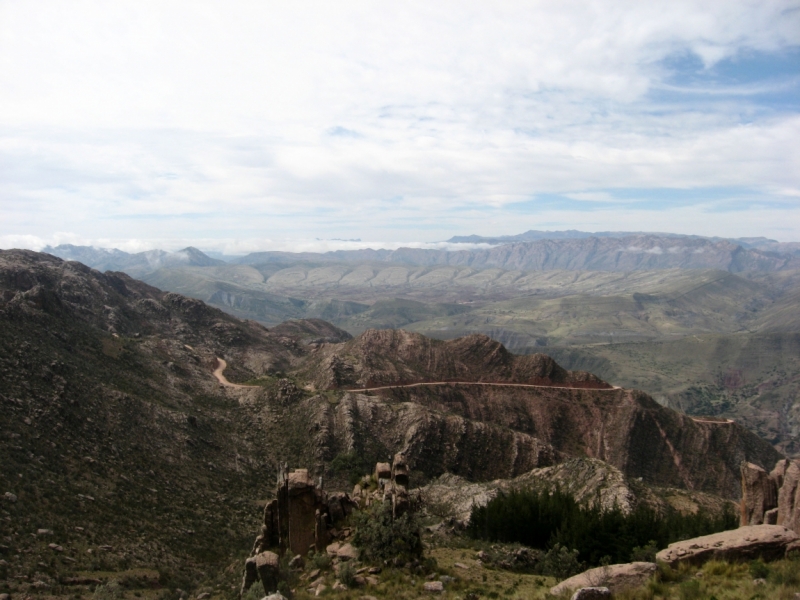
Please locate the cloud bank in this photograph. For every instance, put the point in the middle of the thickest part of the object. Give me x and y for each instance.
(158, 121)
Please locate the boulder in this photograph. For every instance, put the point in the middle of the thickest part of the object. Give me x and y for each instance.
(614, 577)
(383, 471)
(347, 552)
(592, 593)
(767, 542)
(268, 570)
(435, 587)
(332, 549)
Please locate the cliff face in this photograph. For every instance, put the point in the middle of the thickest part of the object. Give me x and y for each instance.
(390, 356)
(465, 427)
(570, 413)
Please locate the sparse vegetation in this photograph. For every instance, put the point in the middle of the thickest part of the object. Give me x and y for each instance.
(381, 537)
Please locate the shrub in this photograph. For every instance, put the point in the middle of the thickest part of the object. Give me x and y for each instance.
(758, 569)
(351, 464)
(690, 590)
(319, 561)
(381, 537)
(646, 553)
(561, 562)
(347, 574)
(108, 591)
(255, 592)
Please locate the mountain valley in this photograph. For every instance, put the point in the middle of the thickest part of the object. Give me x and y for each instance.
(122, 453)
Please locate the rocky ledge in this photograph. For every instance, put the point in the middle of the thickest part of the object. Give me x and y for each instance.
(768, 542)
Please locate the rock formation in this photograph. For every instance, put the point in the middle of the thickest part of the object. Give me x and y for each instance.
(392, 487)
(768, 542)
(300, 519)
(303, 517)
(771, 498)
(614, 577)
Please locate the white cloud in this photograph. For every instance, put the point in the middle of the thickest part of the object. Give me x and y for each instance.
(138, 119)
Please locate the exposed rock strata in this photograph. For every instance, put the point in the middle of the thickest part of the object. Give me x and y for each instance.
(771, 498)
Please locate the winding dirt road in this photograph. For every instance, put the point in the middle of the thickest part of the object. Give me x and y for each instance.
(486, 383)
(222, 365)
(218, 373)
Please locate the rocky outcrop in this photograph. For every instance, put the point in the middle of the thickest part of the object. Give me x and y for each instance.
(614, 577)
(759, 494)
(768, 542)
(590, 481)
(771, 498)
(391, 356)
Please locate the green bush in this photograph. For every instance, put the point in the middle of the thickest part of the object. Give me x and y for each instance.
(758, 569)
(347, 574)
(646, 553)
(561, 562)
(108, 591)
(351, 464)
(380, 537)
(319, 561)
(541, 519)
(690, 590)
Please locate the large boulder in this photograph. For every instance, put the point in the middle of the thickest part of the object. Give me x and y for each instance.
(615, 577)
(767, 542)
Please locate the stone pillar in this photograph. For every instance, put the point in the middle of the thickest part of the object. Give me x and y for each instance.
(759, 494)
(302, 509)
(789, 497)
(283, 507)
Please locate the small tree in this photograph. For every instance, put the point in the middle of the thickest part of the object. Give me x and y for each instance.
(382, 537)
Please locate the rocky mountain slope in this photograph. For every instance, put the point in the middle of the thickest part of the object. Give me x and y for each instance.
(118, 439)
(591, 482)
(573, 414)
(390, 356)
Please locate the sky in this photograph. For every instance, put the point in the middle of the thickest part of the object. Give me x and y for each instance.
(240, 126)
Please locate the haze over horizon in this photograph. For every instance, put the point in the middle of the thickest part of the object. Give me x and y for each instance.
(244, 127)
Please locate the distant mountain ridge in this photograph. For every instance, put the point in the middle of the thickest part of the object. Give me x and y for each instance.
(630, 253)
(757, 243)
(139, 263)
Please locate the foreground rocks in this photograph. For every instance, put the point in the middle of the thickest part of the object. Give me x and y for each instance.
(768, 542)
(615, 578)
(771, 498)
(592, 593)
